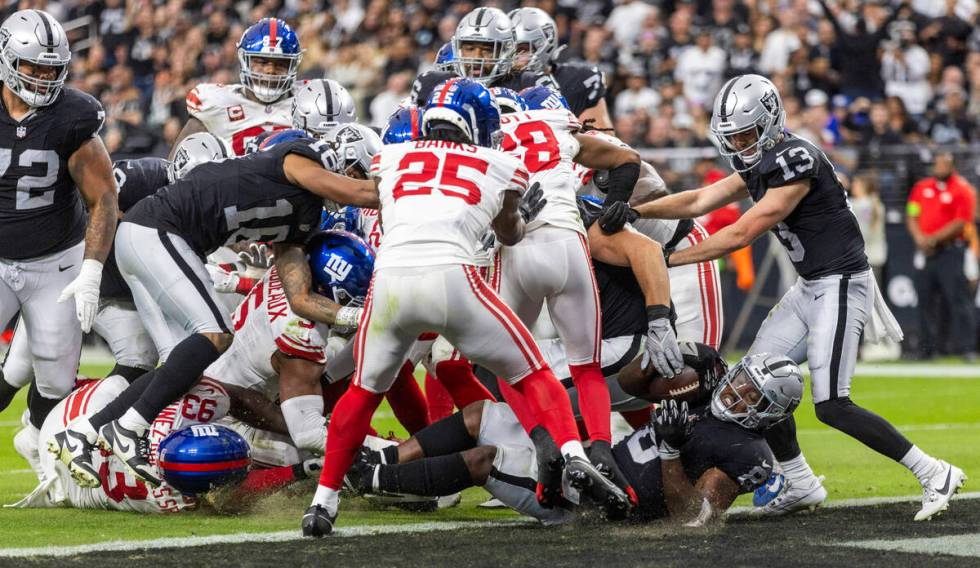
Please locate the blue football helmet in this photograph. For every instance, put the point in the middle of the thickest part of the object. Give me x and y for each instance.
(199, 458)
(509, 100)
(280, 136)
(269, 38)
(403, 126)
(342, 265)
(347, 218)
(467, 105)
(445, 61)
(542, 97)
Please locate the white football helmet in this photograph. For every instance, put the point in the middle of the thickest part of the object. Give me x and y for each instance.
(356, 145)
(36, 38)
(194, 150)
(320, 105)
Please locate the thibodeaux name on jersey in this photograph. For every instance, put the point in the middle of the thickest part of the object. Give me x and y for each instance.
(41, 211)
(821, 234)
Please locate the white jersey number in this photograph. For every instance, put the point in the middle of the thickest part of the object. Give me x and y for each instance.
(28, 196)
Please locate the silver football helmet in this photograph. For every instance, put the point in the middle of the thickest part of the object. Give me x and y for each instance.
(747, 103)
(356, 145)
(489, 26)
(534, 27)
(36, 38)
(320, 105)
(196, 149)
(759, 391)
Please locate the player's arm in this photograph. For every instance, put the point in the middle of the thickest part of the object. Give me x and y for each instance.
(508, 225)
(91, 170)
(696, 505)
(313, 177)
(622, 163)
(302, 401)
(254, 409)
(696, 202)
(643, 255)
(297, 282)
(192, 126)
(764, 215)
(599, 114)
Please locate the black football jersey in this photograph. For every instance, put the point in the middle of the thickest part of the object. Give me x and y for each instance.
(581, 84)
(742, 454)
(41, 210)
(427, 82)
(135, 180)
(239, 199)
(821, 234)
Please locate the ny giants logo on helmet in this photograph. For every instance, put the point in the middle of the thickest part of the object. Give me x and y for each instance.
(337, 268)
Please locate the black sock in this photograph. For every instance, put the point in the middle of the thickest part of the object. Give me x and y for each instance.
(864, 426)
(489, 380)
(390, 454)
(444, 437)
(432, 477)
(119, 405)
(40, 406)
(177, 376)
(7, 392)
(128, 373)
(782, 440)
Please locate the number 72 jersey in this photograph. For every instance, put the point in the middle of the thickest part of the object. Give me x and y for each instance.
(821, 234)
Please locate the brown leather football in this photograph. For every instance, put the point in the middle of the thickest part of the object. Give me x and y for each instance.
(682, 387)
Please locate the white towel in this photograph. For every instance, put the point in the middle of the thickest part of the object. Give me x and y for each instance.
(882, 324)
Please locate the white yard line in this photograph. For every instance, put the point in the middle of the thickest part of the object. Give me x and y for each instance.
(865, 502)
(16, 471)
(905, 428)
(967, 545)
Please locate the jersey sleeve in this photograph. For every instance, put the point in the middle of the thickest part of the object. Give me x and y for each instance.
(913, 206)
(966, 203)
(300, 338)
(520, 178)
(424, 85)
(87, 117)
(203, 100)
(375, 168)
(790, 163)
(583, 86)
(748, 464)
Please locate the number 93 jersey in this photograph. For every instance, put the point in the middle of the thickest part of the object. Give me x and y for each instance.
(544, 140)
(821, 234)
(438, 199)
(41, 212)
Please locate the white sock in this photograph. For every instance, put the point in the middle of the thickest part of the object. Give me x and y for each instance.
(327, 498)
(133, 421)
(921, 464)
(797, 469)
(573, 449)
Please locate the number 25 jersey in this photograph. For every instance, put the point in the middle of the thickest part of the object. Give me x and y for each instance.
(438, 199)
(821, 234)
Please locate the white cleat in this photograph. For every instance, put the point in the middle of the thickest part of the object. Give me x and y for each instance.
(796, 495)
(492, 504)
(26, 444)
(939, 489)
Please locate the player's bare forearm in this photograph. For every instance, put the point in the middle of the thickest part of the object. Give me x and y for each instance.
(312, 177)
(297, 282)
(683, 500)
(254, 409)
(600, 154)
(91, 170)
(641, 254)
(722, 243)
(599, 114)
(192, 126)
(696, 202)
(718, 488)
(508, 224)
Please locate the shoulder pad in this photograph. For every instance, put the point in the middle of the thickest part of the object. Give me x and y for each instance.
(207, 96)
(426, 83)
(87, 115)
(790, 161)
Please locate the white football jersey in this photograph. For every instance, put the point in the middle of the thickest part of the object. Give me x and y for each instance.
(264, 323)
(234, 118)
(544, 140)
(438, 199)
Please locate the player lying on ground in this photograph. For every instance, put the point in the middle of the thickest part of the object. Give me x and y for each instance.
(690, 463)
(822, 317)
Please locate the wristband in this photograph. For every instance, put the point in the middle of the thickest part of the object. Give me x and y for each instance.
(658, 311)
(668, 452)
(667, 258)
(348, 316)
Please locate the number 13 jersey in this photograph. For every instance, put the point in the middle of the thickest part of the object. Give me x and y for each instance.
(821, 234)
(438, 199)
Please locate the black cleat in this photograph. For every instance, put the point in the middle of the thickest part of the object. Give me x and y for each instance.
(132, 449)
(550, 465)
(75, 451)
(317, 522)
(584, 477)
(601, 455)
(360, 477)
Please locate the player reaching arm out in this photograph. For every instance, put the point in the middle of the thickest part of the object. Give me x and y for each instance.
(310, 175)
(297, 281)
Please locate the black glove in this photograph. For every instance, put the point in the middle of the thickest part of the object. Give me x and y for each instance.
(488, 241)
(532, 202)
(670, 426)
(709, 364)
(616, 215)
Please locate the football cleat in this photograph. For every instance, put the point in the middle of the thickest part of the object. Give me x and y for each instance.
(492, 504)
(360, 477)
(75, 451)
(791, 496)
(449, 501)
(600, 454)
(768, 491)
(550, 466)
(318, 522)
(939, 489)
(131, 449)
(26, 445)
(584, 477)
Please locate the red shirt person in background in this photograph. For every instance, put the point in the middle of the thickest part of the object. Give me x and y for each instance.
(938, 212)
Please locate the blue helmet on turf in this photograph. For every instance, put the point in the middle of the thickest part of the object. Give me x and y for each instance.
(542, 97)
(508, 100)
(280, 136)
(403, 126)
(445, 61)
(269, 38)
(199, 458)
(347, 218)
(342, 265)
(466, 105)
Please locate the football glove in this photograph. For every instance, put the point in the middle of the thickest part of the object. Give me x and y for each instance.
(85, 289)
(257, 259)
(616, 215)
(532, 202)
(661, 347)
(224, 281)
(670, 427)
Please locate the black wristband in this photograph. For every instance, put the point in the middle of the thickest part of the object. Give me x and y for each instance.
(667, 258)
(658, 311)
(622, 180)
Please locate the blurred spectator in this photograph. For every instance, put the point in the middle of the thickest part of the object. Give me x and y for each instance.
(860, 70)
(387, 102)
(701, 68)
(742, 56)
(638, 96)
(780, 43)
(939, 208)
(626, 20)
(951, 124)
(905, 68)
(870, 212)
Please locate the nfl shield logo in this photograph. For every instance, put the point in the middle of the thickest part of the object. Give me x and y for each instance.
(21, 131)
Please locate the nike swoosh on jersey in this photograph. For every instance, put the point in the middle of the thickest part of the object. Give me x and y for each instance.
(62, 269)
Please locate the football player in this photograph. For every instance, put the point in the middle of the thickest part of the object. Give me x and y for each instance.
(537, 50)
(269, 54)
(51, 160)
(821, 318)
(273, 196)
(439, 195)
(687, 464)
(320, 105)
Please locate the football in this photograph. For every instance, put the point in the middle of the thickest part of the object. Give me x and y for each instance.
(683, 387)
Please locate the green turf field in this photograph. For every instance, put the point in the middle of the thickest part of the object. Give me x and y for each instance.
(939, 414)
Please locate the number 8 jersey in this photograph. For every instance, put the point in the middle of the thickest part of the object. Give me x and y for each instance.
(821, 234)
(438, 199)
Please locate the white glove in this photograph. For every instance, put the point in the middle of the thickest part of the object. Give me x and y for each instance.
(224, 282)
(257, 259)
(85, 289)
(661, 347)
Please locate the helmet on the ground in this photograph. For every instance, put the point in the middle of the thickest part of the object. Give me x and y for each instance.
(194, 150)
(342, 265)
(36, 38)
(269, 38)
(747, 103)
(759, 391)
(320, 105)
(199, 458)
(490, 26)
(534, 27)
(404, 125)
(467, 105)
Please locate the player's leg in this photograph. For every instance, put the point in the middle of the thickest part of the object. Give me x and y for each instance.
(926, 289)
(119, 324)
(695, 291)
(18, 369)
(454, 373)
(407, 400)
